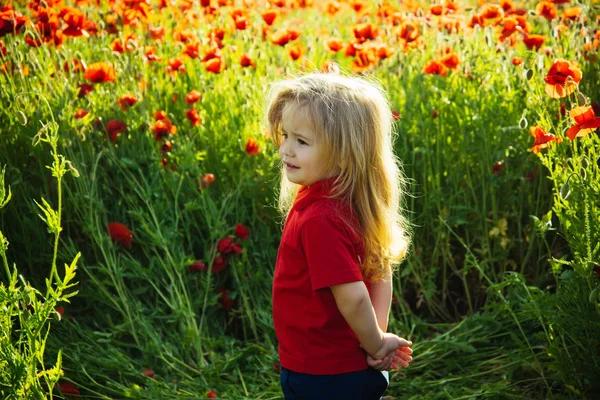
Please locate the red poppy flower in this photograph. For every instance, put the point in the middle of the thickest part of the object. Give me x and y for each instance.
(241, 23)
(84, 89)
(365, 58)
(219, 264)
(491, 12)
(211, 394)
(120, 233)
(436, 9)
(193, 97)
(68, 389)
(542, 139)
(547, 10)
(241, 231)
(150, 54)
(175, 65)
(149, 373)
(75, 21)
(116, 46)
(269, 16)
(193, 116)
(334, 44)
(384, 50)
(450, 60)
(358, 6)
(332, 8)
(126, 101)
(296, 51)
(281, 37)
(206, 180)
(252, 147)
(246, 61)
(396, 115)
(435, 67)
(81, 113)
(215, 65)
(585, 122)
(192, 49)
(224, 245)
(517, 61)
(157, 33)
(365, 31)
(162, 126)
(100, 72)
(534, 41)
(196, 266)
(562, 79)
(572, 13)
(11, 21)
(113, 128)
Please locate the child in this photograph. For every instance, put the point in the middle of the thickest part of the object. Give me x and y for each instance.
(341, 190)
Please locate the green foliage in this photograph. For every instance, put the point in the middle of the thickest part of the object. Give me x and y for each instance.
(499, 293)
(572, 313)
(26, 312)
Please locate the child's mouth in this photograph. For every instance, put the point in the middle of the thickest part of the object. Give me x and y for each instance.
(290, 166)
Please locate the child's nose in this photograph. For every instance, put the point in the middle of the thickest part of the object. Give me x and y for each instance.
(285, 151)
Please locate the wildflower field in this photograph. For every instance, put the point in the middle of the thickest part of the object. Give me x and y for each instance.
(138, 227)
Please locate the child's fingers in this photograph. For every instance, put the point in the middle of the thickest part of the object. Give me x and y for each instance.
(404, 349)
(400, 361)
(403, 356)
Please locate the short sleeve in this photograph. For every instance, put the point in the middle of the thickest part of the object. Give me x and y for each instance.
(330, 253)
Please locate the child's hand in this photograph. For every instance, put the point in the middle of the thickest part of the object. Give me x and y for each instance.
(399, 358)
(389, 345)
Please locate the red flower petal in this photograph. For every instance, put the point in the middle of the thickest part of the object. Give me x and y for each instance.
(67, 388)
(120, 233)
(224, 245)
(149, 373)
(241, 231)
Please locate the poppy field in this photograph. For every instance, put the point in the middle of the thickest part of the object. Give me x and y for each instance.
(138, 184)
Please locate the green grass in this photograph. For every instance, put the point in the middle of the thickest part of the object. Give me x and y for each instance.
(497, 293)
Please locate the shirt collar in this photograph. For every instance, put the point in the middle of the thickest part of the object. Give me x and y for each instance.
(309, 194)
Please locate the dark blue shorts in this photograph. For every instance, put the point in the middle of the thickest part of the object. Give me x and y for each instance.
(368, 384)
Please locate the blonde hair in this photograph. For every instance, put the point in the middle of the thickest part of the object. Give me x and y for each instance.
(353, 118)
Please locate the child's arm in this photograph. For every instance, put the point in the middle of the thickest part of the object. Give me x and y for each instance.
(354, 303)
(381, 297)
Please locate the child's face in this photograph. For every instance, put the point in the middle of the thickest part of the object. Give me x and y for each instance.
(302, 154)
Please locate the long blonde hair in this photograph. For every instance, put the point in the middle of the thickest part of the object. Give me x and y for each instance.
(353, 118)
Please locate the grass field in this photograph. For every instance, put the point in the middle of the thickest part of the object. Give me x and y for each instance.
(138, 227)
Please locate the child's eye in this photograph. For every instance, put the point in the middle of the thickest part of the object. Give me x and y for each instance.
(284, 135)
(302, 142)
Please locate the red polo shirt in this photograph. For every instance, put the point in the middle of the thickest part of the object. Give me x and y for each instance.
(317, 250)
